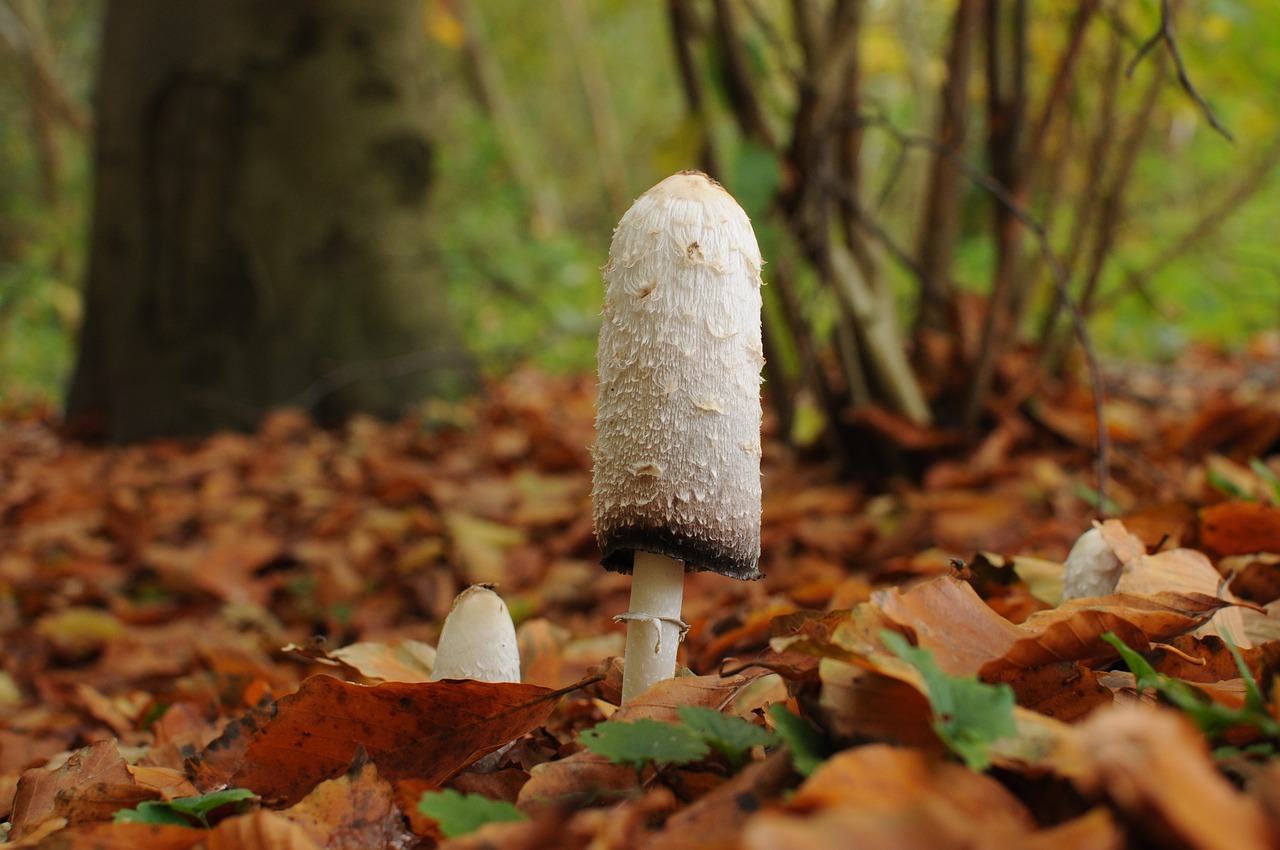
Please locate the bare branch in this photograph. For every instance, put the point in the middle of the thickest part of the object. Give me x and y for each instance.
(1164, 35)
(1033, 226)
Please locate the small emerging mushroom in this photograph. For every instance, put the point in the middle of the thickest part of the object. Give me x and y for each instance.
(1092, 567)
(676, 482)
(478, 639)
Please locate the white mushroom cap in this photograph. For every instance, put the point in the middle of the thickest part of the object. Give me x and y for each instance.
(478, 640)
(677, 455)
(1091, 569)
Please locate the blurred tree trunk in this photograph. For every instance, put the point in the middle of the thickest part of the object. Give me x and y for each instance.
(260, 218)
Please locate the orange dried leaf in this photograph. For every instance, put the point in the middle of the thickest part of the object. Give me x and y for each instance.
(1155, 767)
(428, 731)
(948, 618)
(357, 809)
(127, 836)
(880, 796)
(260, 830)
(1240, 528)
(36, 801)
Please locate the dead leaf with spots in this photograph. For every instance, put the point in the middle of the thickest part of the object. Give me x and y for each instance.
(40, 795)
(357, 809)
(427, 731)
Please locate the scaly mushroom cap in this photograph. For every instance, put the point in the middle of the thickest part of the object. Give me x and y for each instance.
(677, 454)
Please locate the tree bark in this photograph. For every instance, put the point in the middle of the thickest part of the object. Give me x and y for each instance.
(259, 232)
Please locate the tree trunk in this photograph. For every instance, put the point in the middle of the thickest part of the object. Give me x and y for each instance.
(259, 231)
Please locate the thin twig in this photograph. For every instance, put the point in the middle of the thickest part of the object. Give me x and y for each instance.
(1164, 35)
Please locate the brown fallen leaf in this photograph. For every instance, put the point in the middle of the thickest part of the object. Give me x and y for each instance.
(878, 796)
(966, 636)
(1155, 768)
(125, 836)
(585, 775)
(401, 660)
(714, 821)
(427, 731)
(98, 765)
(1240, 528)
(355, 810)
(260, 830)
(1073, 631)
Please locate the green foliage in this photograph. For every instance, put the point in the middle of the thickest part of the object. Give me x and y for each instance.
(522, 261)
(641, 742)
(1212, 718)
(460, 814)
(186, 811)
(808, 748)
(1268, 477)
(728, 734)
(968, 715)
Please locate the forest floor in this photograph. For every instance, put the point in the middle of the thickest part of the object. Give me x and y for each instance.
(181, 619)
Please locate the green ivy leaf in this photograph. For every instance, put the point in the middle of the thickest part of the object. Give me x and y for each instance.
(731, 735)
(807, 746)
(968, 715)
(185, 811)
(641, 742)
(460, 814)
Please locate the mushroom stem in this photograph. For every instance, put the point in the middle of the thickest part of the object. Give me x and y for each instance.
(654, 628)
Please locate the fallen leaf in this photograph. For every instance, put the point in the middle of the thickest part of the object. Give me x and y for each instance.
(354, 810)
(876, 796)
(260, 830)
(427, 731)
(1156, 769)
(401, 660)
(1240, 528)
(98, 765)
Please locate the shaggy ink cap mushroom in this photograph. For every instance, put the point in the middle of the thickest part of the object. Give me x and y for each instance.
(478, 639)
(677, 454)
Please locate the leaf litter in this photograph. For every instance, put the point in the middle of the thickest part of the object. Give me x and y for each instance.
(255, 615)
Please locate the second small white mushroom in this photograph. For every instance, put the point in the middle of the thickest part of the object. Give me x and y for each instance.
(478, 640)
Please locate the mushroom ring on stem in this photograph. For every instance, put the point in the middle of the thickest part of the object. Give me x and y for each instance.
(676, 483)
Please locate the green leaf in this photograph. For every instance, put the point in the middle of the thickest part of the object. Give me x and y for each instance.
(1268, 477)
(1212, 718)
(460, 814)
(968, 714)
(1226, 486)
(731, 735)
(185, 811)
(645, 741)
(807, 746)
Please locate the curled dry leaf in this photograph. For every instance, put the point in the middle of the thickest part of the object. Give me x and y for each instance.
(876, 796)
(1154, 767)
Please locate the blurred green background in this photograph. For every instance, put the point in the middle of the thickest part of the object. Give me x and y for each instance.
(591, 113)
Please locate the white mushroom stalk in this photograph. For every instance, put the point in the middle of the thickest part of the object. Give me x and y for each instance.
(478, 640)
(676, 483)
